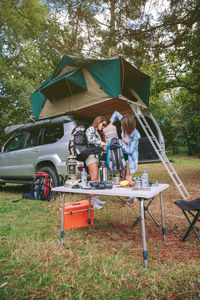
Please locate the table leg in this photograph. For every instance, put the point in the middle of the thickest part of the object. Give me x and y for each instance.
(89, 220)
(62, 220)
(147, 210)
(163, 219)
(145, 253)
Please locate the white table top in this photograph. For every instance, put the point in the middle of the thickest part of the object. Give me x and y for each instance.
(116, 191)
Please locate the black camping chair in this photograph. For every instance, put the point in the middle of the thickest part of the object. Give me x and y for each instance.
(190, 206)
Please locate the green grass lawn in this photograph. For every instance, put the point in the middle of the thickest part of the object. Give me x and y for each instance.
(105, 262)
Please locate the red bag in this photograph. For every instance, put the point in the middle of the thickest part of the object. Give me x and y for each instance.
(42, 186)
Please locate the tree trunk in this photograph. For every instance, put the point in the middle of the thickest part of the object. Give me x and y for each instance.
(112, 46)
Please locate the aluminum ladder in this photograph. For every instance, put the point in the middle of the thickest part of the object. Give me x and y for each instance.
(160, 151)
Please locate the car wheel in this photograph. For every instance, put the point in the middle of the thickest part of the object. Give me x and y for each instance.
(52, 173)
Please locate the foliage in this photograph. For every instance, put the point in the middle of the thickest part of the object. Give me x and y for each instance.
(175, 72)
(31, 44)
(178, 115)
(109, 27)
(39, 32)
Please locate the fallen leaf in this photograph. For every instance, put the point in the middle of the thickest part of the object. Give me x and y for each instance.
(3, 284)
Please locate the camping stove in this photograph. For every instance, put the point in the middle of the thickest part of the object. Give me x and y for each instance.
(72, 172)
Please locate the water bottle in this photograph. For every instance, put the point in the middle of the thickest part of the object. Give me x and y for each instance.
(83, 177)
(145, 179)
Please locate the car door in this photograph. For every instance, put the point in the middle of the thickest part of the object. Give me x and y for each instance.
(29, 154)
(9, 156)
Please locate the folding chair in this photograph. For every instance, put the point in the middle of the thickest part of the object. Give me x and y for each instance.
(190, 206)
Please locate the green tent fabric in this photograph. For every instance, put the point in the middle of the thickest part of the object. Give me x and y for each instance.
(107, 75)
(143, 90)
(78, 83)
(37, 100)
(66, 60)
(69, 84)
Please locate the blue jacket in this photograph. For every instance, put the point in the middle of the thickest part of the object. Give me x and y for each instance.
(132, 147)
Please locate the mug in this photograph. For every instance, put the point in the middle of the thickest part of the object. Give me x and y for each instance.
(116, 181)
(138, 184)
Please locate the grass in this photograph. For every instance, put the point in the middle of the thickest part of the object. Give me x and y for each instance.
(105, 262)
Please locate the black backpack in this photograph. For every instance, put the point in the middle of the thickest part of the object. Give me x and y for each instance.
(115, 157)
(78, 145)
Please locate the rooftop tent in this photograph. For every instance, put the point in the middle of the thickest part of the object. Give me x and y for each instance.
(91, 87)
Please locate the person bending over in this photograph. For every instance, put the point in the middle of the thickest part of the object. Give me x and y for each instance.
(93, 135)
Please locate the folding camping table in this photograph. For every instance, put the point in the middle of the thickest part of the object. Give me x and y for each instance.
(142, 195)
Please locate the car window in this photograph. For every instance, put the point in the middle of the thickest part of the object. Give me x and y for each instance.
(34, 138)
(14, 143)
(53, 133)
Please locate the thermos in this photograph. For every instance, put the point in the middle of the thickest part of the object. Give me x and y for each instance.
(103, 171)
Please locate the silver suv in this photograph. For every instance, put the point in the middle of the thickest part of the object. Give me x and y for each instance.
(39, 146)
(43, 146)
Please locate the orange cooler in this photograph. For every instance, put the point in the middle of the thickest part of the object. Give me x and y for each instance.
(76, 214)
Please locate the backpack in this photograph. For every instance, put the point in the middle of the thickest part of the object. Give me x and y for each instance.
(115, 157)
(78, 145)
(42, 186)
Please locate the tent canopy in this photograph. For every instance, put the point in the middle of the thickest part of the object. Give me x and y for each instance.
(91, 87)
(67, 85)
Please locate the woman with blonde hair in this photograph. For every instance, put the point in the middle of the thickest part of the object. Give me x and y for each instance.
(94, 135)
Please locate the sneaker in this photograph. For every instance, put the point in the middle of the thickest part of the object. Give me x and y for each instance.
(131, 201)
(97, 206)
(98, 201)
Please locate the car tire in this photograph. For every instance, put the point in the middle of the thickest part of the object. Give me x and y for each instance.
(52, 173)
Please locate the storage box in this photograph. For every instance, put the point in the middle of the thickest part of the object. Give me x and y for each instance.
(76, 214)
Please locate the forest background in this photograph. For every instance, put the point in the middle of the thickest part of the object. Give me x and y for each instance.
(161, 38)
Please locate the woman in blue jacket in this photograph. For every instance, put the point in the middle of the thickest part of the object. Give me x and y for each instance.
(130, 141)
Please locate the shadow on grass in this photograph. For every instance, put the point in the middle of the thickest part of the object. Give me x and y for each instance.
(18, 188)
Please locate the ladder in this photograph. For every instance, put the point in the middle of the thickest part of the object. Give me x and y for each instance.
(160, 151)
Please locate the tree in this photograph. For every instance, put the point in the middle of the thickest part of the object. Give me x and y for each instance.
(32, 42)
(175, 70)
(109, 27)
(175, 40)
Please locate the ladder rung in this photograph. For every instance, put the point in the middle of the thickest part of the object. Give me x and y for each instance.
(161, 152)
